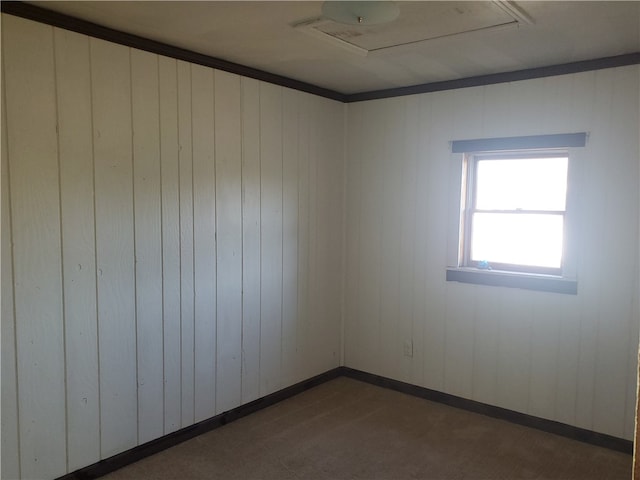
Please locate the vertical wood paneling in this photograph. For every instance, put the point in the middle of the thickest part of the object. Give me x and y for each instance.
(467, 108)
(409, 138)
(626, 81)
(354, 129)
(558, 112)
(229, 240)
(10, 461)
(35, 211)
(495, 108)
(458, 351)
(271, 237)
(466, 113)
(313, 308)
(251, 261)
(180, 238)
(632, 366)
(324, 343)
(597, 180)
(514, 350)
(204, 240)
(567, 361)
(332, 249)
(290, 100)
(187, 291)
(370, 247)
(418, 287)
(171, 264)
(620, 185)
(391, 349)
(526, 96)
(113, 173)
(561, 357)
(588, 232)
(75, 141)
(436, 120)
(485, 344)
(303, 316)
(148, 243)
(545, 333)
(325, 208)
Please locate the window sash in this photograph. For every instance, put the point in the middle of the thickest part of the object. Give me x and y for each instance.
(514, 267)
(471, 162)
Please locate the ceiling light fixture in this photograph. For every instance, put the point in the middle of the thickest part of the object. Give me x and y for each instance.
(360, 12)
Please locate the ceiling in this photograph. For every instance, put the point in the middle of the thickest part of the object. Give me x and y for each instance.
(429, 42)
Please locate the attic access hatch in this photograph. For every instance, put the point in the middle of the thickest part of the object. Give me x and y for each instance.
(418, 22)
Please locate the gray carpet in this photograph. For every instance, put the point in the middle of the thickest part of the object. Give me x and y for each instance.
(346, 429)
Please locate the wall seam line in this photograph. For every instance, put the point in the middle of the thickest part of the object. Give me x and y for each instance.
(162, 273)
(241, 85)
(178, 150)
(193, 247)
(13, 272)
(61, 239)
(95, 244)
(135, 252)
(215, 236)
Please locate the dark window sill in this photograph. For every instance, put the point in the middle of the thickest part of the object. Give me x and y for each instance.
(496, 278)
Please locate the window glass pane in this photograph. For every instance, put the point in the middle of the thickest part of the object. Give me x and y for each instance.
(527, 184)
(522, 239)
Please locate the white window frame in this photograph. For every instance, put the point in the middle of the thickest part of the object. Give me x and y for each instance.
(470, 191)
(458, 266)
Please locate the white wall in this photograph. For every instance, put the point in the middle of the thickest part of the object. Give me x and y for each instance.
(562, 357)
(171, 245)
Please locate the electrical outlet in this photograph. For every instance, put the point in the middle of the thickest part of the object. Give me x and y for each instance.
(408, 348)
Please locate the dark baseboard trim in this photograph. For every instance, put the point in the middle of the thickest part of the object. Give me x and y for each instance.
(550, 426)
(135, 454)
(49, 17)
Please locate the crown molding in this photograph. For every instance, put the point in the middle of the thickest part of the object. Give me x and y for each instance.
(43, 15)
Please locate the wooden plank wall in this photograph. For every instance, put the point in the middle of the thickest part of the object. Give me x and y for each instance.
(171, 241)
(561, 357)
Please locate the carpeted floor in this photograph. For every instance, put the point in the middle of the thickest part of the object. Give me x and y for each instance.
(346, 429)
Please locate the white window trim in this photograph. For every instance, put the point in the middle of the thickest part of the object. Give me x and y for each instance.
(564, 283)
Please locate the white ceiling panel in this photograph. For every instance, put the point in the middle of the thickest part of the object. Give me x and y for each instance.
(429, 41)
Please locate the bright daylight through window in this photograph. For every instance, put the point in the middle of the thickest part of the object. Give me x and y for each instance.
(515, 211)
(514, 224)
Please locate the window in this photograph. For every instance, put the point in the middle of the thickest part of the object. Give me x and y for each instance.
(515, 209)
(512, 228)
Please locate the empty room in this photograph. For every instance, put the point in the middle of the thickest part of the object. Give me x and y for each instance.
(321, 240)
